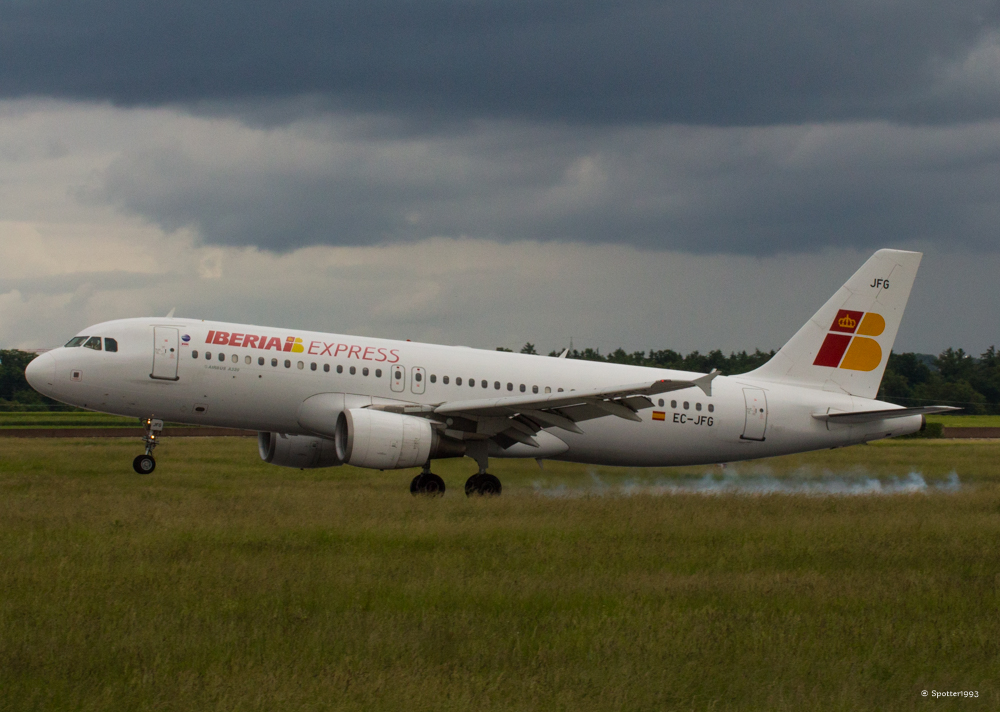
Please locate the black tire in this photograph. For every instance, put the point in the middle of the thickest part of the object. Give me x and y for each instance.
(433, 484)
(483, 485)
(427, 484)
(491, 485)
(472, 485)
(144, 464)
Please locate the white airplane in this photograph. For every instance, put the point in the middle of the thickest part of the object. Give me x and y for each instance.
(321, 400)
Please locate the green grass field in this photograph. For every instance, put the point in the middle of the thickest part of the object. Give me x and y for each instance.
(222, 583)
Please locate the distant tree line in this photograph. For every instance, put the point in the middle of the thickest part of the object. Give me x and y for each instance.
(15, 393)
(951, 378)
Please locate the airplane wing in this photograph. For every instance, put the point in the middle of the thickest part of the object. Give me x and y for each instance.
(870, 416)
(512, 419)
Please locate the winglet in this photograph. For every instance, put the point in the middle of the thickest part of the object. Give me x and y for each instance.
(170, 314)
(705, 382)
(563, 354)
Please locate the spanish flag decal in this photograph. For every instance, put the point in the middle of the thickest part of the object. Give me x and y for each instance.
(847, 345)
(659, 415)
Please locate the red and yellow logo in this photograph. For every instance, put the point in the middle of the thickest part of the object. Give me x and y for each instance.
(847, 346)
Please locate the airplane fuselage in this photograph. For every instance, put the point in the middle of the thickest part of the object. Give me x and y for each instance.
(258, 378)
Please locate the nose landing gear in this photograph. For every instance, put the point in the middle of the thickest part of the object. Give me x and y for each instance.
(145, 464)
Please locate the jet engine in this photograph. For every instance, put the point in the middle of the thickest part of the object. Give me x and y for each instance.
(297, 450)
(387, 441)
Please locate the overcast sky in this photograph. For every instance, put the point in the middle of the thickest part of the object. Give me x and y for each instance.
(636, 174)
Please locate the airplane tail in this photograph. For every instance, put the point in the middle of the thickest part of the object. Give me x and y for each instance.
(846, 344)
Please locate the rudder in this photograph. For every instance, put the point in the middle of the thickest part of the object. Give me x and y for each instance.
(845, 345)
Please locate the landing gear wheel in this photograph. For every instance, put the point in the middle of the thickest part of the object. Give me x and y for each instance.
(427, 483)
(144, 464)
(483, 484)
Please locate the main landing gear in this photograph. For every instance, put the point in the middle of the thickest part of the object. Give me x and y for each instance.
(145, 464)
(427, 483)
(481, 483)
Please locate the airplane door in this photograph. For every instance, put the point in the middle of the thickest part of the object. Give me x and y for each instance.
(397, 378)
(417, 380)
(164, 353)
(756, 421)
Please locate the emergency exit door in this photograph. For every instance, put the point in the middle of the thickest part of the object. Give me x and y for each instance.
(164, 353)
(756, 420)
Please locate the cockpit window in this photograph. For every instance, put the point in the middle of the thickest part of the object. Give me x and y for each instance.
(75, 341)
(94, 342)
(110, 345)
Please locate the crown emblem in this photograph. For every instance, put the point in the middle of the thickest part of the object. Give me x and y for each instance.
(847, 322)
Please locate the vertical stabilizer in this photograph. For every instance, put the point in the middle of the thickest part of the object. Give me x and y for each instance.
(846, 344)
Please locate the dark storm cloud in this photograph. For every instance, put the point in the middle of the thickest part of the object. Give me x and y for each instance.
(735, 190)
(709, 62)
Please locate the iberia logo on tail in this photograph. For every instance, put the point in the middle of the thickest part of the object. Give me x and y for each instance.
(847, 346)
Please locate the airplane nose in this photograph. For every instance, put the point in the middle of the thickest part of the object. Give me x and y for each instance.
(41, 372)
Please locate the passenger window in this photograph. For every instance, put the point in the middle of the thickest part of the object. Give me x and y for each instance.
(444, 380)
(711, 408)
(548, 389)
(249, 360)
(485, 384)
(378, 373)
(364, 372)
(416, 376)
(110, 345)
(94, 342)
(312, 366)
(697, 406)
(559, 390)
(274, 362)
(354, 370)
(260, 360)
(458, 381)
(194, 354)
(208, 355)
(510, 386)
(686, 405)
(534, 389)
(75, 341)
(522, 388)
(434, 378)
(300, 365)
(222, 357)
(326, 368)
(673, 404)
(472, 382)
(496, 384)
(236, 359)
(660, 402)
(288, 364)
(340, 369)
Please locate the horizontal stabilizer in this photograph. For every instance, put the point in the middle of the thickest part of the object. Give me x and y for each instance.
(870, 416)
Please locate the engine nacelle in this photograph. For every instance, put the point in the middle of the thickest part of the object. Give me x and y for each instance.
(389, 441)
(303, 451)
